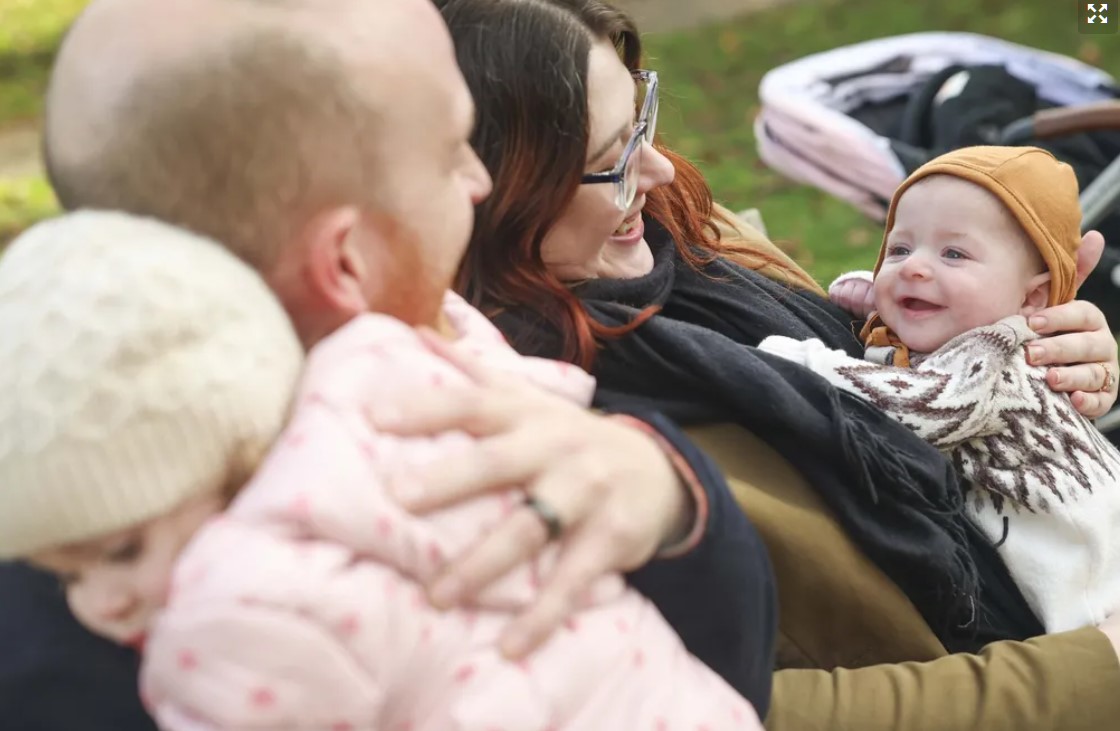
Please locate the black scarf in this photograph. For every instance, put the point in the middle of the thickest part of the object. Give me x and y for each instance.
(893, 493)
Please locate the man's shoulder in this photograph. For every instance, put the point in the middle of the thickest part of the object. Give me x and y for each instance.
(47, 657)
(33, 617)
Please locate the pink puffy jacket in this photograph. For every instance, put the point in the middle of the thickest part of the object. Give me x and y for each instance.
(301, 607)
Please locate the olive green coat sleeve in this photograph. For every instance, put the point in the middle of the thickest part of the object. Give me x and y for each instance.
(1065, 682)
(855, 655)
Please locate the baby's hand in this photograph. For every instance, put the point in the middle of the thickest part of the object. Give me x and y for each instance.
(854, 293)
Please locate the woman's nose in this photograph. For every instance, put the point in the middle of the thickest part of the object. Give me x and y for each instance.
(657, 170)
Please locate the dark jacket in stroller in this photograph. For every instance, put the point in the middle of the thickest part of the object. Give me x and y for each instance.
(973, 105)
(856, 120)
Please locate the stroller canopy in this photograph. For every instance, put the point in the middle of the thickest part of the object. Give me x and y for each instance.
(833, 120)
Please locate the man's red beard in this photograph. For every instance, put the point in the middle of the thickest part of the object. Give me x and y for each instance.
(410, 288)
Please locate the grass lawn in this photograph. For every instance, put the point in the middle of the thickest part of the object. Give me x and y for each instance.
(709, 84)
(29, 34)
(710, 78)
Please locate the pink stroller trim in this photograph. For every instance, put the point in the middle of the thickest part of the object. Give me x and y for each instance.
(804, 131)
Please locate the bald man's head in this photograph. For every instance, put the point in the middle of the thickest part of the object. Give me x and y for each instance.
(234, 118)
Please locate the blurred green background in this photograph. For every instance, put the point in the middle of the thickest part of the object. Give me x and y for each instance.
(30, 31)
(709, 78)
(711, 75)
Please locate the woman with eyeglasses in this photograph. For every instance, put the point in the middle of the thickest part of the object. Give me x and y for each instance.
(603, 249)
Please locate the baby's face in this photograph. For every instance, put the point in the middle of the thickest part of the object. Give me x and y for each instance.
(116, 584)
(955, 260)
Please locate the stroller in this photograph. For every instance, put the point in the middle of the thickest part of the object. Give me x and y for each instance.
(856, 120)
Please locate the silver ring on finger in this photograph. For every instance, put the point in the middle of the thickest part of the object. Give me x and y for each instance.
(548, 516)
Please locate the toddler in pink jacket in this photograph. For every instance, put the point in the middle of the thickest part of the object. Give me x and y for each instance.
(150, 377)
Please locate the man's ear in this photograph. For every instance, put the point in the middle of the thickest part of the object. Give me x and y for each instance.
(1092, 246)
(333, 270)
(1038, 294)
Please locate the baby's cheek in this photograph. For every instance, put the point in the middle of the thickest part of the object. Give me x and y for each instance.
(83, 612)
(155, 582)
(77, 605)
(879, 293)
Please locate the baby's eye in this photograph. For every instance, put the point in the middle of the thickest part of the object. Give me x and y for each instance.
(898, 250)
(955, 254)
(126, 552)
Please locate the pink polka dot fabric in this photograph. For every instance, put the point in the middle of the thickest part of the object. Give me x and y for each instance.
(302, 608)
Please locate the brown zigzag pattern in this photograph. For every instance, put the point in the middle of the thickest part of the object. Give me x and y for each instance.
(1035, 450)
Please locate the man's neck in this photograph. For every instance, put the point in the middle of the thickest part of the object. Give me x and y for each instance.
(444, 327)
(416, 310)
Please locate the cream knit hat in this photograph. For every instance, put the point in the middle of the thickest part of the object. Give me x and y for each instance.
(139, 366)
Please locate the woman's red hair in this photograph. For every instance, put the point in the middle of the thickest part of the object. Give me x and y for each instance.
(526, 63)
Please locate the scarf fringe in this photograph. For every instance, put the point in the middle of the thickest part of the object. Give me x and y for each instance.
(864, 450)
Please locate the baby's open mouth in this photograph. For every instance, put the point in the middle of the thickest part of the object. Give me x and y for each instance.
(913, 303)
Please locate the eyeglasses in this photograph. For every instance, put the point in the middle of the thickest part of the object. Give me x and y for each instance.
(629, 168)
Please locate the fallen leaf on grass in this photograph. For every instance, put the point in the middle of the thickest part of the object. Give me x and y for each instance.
(729, 42)
(1089, 52)
(857, 237)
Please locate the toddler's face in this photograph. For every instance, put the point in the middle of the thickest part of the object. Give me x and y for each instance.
(955, 260)
(116, 584)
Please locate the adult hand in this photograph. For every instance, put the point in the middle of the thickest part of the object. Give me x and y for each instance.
(1079, 343)
(615, 491)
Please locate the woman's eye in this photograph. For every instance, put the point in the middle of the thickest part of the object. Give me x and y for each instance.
(614, 164)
